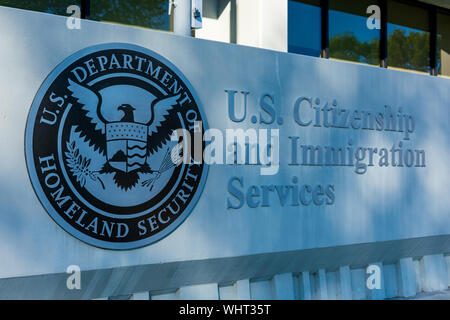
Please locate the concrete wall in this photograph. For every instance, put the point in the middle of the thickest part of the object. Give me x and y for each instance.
(399, 280)
(256, 23)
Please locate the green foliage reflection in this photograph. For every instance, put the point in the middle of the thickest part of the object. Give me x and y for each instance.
(405, 50)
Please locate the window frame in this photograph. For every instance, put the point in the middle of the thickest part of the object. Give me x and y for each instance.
(383, 54)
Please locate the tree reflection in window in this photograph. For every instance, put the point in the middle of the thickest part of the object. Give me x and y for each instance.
(146, 13)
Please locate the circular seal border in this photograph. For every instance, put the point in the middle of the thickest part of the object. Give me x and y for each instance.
(28, 146)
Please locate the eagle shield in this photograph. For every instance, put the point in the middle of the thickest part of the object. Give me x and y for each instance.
(126, 145)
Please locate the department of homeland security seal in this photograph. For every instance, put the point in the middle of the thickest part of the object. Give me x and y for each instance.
(99, 150)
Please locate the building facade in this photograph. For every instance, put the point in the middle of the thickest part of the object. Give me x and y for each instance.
(323, 129)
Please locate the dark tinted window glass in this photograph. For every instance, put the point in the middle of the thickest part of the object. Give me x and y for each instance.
(49, 6)
(444, 44)
(408, 37)
(304, 28)
(145, 13)
(350, 37)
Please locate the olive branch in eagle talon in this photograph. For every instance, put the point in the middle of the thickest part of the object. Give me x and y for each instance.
(80, 166)
(171, 159)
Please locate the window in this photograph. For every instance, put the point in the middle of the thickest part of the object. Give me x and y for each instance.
(304, 27)
(443, 30)
(58, 7)
(350, 37)
(408, 37)
(145, 13)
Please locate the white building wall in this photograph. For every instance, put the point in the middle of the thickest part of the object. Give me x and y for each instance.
(256, 23)
(429, 273)
(165, 296)
(200, 292)
(345, 283)
(406, 277)
(358, 279)
(434, 273)
(283, 286)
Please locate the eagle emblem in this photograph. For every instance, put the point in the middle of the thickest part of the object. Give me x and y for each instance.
(126, 143)
(101, 150)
